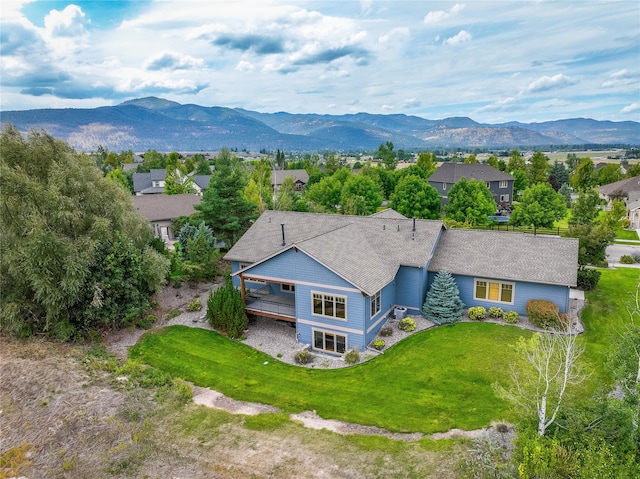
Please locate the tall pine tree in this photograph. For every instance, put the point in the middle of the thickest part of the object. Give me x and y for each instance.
(443, 304)
(223, 206)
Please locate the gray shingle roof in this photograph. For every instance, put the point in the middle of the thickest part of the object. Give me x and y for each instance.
(165, 207)
(365, 250)
(624, 186)
(278, 176)
(144, 181)
(202, 181)
(452, 172)
(510, 256)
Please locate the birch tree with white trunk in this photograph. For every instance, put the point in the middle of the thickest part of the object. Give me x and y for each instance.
(547, 367)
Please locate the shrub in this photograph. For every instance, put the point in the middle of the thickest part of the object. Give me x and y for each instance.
(304, 357)
(511, 317)
(146, 322)
(543, 313)
(386, 331)
(225, 310)
(626, 222)
(352, 357)
(636, 257)
(626, 259)
(407, 324)
(194, 305)
(588, 278)
(495, 312)
(378, 344)
(477, 313)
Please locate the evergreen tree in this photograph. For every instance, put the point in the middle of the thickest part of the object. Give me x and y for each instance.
(223, 207)
(442, 304)
(225, 310)
(538, 168)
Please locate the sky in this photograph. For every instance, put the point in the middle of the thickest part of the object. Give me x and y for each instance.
(492, 61)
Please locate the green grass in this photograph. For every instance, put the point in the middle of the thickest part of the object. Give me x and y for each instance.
(433, 381)
(626, 234)
(604, 315)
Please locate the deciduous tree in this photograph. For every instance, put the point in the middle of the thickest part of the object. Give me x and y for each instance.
(416, 198)
(470, 202)
(387, 156)
(360, 196)
(539, 207)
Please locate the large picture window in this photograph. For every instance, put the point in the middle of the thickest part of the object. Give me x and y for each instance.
(331, 342)
(493, 291)
(329, 305)
(375, 304)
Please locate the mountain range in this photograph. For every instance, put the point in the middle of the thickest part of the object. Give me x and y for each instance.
(163, 125)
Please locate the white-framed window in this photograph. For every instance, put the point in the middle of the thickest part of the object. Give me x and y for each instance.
(488, 184)
(330, 342)
(504, 198)
(329, 305)
(375, 304)
(497, 291)
(444, 187)
(287, 288)
(504, 184)
(157, 183)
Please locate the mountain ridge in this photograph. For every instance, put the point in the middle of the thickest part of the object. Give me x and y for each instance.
(156, 123)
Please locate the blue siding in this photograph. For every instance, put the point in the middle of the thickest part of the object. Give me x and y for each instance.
(522, 292)
(410, 281)
(387, 303)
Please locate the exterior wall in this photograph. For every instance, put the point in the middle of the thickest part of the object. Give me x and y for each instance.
(522, 292)
(387, 302)
(409, 287)
(157, 229)
(441, 191)
(496, 191)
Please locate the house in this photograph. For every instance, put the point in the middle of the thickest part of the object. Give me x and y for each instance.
(299, 177)
(625, 190)
(153, 182)
(161, 210)
(338, 278)
(499, 183)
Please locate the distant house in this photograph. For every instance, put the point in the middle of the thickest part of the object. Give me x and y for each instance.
(626, 190)
(299, 177)
(153, 182)
(499, 183)
(338, 278)
(161, 210)
(633, 213)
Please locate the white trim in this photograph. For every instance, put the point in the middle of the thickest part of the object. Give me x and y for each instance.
(504, 184)
(331, 326)
(273, 279)
(444, 187)
(372, 300)
(380, 319)
(500, 283)
(504, 198)
(290, 287)
(335, 296)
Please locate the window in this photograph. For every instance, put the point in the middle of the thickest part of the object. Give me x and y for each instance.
(494, 291)
(375, 304)
(488, 184)
(444, 187)
(289, 288)
(244, 265)
(504, 198)
(333, 343)
(503, 184)
(329, 305)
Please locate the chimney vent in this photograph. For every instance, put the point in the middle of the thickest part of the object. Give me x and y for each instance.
(414, 224)
(284, 243)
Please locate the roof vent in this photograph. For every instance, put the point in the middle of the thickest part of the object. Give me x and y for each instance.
(284, 243)
(414, 224)
(384, 227)
(398, 227)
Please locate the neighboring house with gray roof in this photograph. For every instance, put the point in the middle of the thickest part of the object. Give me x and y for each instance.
(339, 277)
(162, 210)
(499, 183)
(299, 177)
(626, 190)
(153, 182)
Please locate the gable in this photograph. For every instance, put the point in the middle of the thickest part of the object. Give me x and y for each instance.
(452, 172)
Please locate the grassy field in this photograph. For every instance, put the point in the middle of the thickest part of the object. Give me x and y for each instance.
(433, 381)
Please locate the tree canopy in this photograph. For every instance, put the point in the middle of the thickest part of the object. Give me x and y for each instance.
(539, 207)
(75, 254)
(415, 198)
(470, 201)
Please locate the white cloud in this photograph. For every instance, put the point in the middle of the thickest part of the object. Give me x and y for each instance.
(546, 83)
(631, 108)
(461, 37)
(169, 60)
(620, 79)
(245, 66)
(399, 33)
(439, 16)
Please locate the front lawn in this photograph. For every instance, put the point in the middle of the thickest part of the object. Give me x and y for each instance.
(622, 234)
(432, 381)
